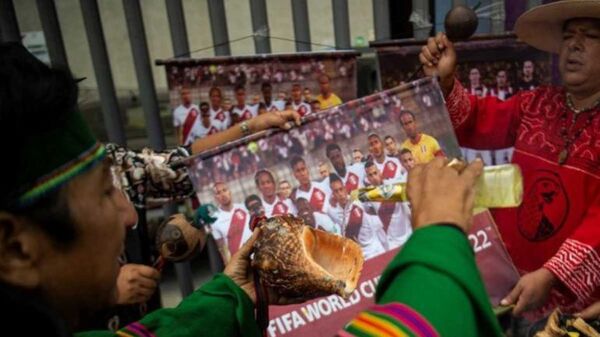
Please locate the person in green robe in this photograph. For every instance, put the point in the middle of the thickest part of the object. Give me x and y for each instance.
(62, 226)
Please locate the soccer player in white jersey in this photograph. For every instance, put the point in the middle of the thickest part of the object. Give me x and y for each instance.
(269, 104)
(298, 104)
(395, 216)
(220, 118)
(352, 175)
(185, 117)
(205, 127)
(390, 167)
(315, 192)
(265, 182)
(316, 219)
(358, 222)
(241, 110)
(231, 229)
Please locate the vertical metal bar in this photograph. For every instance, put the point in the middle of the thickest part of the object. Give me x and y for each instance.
(218, 25)
(442, 7)
(260, 26)
(141, 60)
(181, 48)
(381, 18)
(52, 33)
(301, 25)
(341, 24)
(179, 37)
(106, 87)
(499, 17)
(8, 22)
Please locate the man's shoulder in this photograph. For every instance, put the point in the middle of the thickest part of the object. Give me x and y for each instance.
(428, 138)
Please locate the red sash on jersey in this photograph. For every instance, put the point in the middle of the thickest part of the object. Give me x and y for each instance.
(220, 116)
(188, 124)
(280, 208)
(302, 110)
(351, 182)
(389, 170)
(385, 212)
(246, 115)
(236, 230)
(317, 200)
(354, 223)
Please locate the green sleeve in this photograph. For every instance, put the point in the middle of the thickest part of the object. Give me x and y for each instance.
(435, 274)
(432, 287)
(219, 308)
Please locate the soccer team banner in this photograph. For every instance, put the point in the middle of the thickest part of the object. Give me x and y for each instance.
(312, 171)
(488, 65)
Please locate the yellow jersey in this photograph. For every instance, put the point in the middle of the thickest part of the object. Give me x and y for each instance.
(425, 149)
(332, 101)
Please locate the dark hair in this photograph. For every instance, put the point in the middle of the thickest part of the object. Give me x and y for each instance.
(295, 160)
(405, 150)
(332, 147)
(52, 215)
(34, 98)
(297, 201)
(368, 164)
(250, 198)
(334, 177)
(266, 85)
(204, 104)
(566, 23)
(239, 87)
(389, 137)
(407, 112)
(260, 173)
(374, 135)
(215, 89)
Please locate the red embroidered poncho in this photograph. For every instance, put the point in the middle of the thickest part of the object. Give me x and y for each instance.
(558, 224)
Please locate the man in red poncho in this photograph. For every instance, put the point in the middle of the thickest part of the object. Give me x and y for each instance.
(554, 236)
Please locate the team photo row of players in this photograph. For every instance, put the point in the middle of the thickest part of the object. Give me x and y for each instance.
(325, 203)
(192, 121)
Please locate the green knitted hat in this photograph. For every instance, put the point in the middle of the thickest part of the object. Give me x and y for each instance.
(49, 141)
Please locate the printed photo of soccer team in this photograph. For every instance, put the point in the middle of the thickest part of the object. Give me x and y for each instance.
(208, 96)
(312, 171)
(489, 67)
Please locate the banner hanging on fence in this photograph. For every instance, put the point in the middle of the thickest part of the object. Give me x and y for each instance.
(491, 65)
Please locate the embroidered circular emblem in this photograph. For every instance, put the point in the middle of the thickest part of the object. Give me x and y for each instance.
(545, 207)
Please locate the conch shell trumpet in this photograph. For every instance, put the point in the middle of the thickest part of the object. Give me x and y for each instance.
(299, 261)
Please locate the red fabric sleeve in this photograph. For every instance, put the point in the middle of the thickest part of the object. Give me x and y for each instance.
(577, 262)
(483, 123)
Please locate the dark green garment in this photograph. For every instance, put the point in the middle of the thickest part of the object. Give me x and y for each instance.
(218, 309)
(435, 276)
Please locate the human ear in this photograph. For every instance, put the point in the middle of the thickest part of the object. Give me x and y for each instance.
(21, 248)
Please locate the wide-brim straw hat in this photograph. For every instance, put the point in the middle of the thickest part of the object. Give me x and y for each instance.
(541, 26)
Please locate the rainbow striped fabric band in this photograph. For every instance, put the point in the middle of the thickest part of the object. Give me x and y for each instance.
(135, 330)
(389, 320)
(86, 160)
